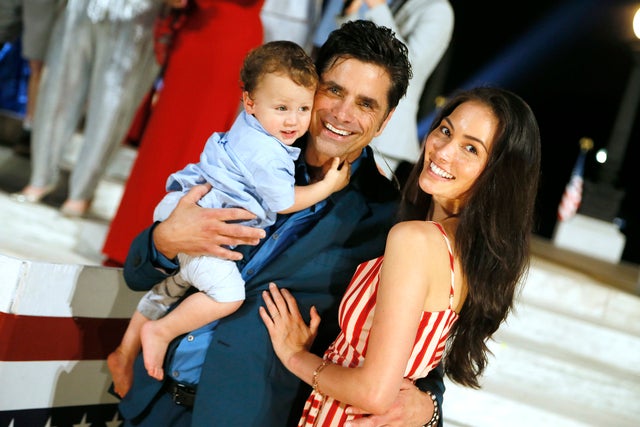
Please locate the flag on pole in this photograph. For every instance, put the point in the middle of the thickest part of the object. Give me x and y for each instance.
(572, 195)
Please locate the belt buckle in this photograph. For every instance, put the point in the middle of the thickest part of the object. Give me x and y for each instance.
(182, 395)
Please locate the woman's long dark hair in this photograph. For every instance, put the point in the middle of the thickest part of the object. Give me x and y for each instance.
(493, 234)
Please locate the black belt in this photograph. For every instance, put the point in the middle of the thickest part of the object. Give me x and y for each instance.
(181, 394)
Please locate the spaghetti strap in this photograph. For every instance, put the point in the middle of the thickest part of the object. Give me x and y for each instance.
(451, 259)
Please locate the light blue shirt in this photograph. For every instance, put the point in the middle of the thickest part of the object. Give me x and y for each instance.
(247, 168)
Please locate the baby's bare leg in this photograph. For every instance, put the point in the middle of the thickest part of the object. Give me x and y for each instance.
(120, 361)
(195, 311)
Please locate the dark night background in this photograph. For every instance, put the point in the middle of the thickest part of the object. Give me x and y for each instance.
(570, 60)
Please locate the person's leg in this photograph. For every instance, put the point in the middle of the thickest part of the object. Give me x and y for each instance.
(22, 147)
(120, 361)
(207, 274)
(61, 99)
(195, 311)
(123, 70)
(35, 72)
(153, 305)
(38, 17)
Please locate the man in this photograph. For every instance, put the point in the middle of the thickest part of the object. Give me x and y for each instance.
(364, 71)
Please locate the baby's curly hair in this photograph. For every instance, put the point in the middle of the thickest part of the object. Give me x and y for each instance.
(280, 56)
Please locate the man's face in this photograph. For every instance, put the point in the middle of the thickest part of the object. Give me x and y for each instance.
(349, 110)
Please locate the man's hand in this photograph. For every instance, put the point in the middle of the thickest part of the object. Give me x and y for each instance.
(411, 408)
(194, 230)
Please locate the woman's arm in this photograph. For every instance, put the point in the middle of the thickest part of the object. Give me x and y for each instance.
(401, 298)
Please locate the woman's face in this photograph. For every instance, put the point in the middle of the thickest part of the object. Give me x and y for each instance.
(456, 152)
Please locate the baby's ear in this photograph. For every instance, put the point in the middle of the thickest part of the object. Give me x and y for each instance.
(247, 102)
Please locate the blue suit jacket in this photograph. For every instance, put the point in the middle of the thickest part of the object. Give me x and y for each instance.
(243, 383)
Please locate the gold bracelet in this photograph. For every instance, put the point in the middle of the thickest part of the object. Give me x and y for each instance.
(316, 373)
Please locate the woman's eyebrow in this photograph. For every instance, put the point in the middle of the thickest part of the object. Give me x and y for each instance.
(446, 119)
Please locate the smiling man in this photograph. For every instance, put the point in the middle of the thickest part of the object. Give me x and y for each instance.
(226, 374)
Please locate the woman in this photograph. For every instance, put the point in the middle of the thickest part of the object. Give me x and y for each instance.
(201, 95)
(100, 63)
(469, 205)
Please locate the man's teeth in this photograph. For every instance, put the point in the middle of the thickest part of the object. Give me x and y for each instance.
(338, 131)
(440, 172)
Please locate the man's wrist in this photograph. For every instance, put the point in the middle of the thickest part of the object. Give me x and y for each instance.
(158, 259)
(435, 418)
(158, 241)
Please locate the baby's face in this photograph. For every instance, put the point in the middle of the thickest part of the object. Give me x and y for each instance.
(281, 106)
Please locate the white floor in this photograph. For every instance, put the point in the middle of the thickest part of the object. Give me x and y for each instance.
(37, 231)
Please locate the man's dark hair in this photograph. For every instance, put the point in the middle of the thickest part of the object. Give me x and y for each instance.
(367, 42)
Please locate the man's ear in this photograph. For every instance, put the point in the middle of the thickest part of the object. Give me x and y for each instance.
(247, 102)
(384, 123)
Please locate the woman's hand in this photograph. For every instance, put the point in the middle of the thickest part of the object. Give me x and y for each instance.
(288, 331)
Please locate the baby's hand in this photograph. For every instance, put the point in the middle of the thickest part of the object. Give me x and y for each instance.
(337, 177)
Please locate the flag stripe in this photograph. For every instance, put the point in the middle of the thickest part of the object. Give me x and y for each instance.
(571, 199)
(39, 338)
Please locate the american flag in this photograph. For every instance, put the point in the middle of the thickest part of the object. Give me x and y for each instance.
(573, 191)
(571, 198)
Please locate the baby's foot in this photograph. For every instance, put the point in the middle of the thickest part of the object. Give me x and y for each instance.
(121, 368)
(154, 347)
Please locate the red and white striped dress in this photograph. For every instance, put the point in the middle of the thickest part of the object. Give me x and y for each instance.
(349, 349)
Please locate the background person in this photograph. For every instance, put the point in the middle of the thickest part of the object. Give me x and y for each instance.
(100, 63)
(200, 95)
(32, 21)
(426, 27)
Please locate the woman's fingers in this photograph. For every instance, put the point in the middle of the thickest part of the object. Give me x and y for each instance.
(278, 300)
(315, 320)
(291, 304)
(271, 306)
